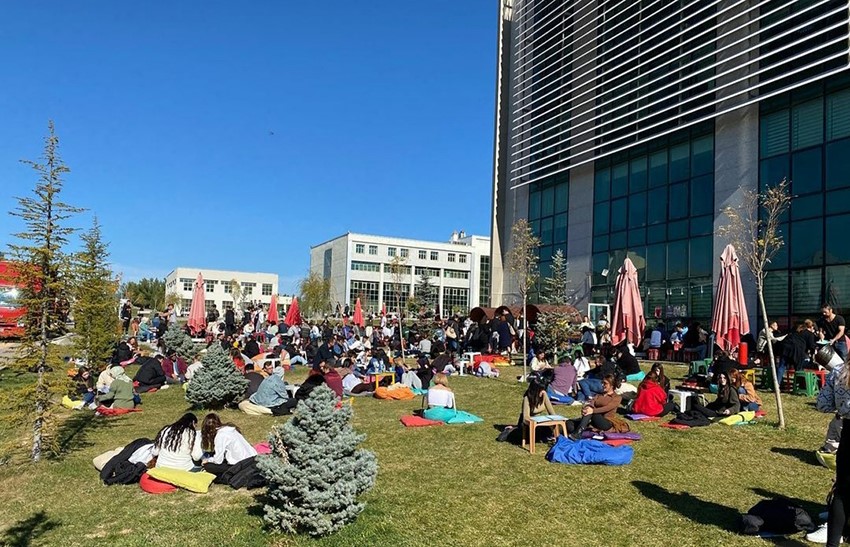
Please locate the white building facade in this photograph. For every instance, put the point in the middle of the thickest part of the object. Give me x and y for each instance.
(360, 266)
(219, 288)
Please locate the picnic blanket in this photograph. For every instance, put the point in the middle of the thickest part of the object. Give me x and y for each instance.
(612, 435)
(418, 421)
(642, 418)
(106, 411)
(450, 416)
(586, 451)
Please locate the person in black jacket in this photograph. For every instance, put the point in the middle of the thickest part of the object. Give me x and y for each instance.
(727, 402)
(252, 348)
(325, 352)
(229, 321)
(150, 375)
(119, 470)
(627, 362)
(255, 378)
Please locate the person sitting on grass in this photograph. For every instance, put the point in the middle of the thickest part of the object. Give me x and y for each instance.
(440, 394)
(353, 384)
(120, 392)
(651, 398)
(223, 444)
(178, 446)
(104, 380)
(83, 386)
(403, 375)
(662, 380)
(591, 384)
(564, 383)
(332, 378)
(272, 394)
(727, 402)
(747, 395)
(581, 364)
(539, 362)
(255, 377)
(628, 363)
(599, 412)
(150, 375)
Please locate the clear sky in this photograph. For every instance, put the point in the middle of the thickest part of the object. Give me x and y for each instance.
(234, 135)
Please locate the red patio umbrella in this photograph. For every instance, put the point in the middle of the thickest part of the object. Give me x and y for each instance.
(358, 315)
(627, 322)
(729, 318)
(273, 314)
(293, 315)
(383, 309)
(197, 314)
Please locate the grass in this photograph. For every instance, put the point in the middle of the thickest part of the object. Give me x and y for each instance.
(450, 485)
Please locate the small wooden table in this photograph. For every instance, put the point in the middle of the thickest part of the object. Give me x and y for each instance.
(530, 427)
(379, 375)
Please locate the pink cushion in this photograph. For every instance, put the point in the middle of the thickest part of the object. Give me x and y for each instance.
(153, 486)
(263, 448)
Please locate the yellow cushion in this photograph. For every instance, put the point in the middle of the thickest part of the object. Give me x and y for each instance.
(194, 482)
(826, 459)
(746, 416)
(67, 402)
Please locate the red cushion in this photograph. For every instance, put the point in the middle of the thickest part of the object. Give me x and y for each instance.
(153, 486)
(105, 411)
(617, 442)
(418, 421)
(675, 426)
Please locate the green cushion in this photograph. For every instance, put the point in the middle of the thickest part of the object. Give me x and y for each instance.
(194, 482)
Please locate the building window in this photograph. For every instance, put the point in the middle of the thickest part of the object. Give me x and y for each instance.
(404, 252)
(431, 272)
(435, 255)
(451, 257)
(208, 305)
(484, 282)
(210, 285)
(359, 248)
(367, 292)
(462, 259)
(455, 274)
(455, 299)
(402, 269)
(422, 254)
(188, 284)
(267, 289)
(548, 203)
(357, 266)
(185, 306)
(655, 204)
(391, 251)
(225, 304)
(373, 249)
(248, 288)
(327, 263)
(391, 299)
(228, 287)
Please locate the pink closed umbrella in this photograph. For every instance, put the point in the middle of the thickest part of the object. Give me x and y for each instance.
(293, 315)
(273, 314)
(729, 318)
(358, 315)
(197, 314)
(627, 321)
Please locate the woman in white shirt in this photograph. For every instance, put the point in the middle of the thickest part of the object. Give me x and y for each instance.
(178, 446)
(441, 395)
(225, 443)
(581, 364)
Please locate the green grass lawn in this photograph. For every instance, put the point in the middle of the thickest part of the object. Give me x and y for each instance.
(449, 485)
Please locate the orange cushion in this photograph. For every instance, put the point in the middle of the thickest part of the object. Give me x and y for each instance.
(153, 486)
(418, 421)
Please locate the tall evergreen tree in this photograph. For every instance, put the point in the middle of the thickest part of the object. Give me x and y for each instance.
(426, 292)
(95, 302)
(315, 472)
(42, 267)
(555, 285)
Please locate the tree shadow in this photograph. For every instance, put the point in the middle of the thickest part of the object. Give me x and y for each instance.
(805, 456)
(24, 532)
(690, 506)
(73, 434)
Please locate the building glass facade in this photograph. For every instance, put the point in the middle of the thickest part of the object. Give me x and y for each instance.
(804, 138)
(548, 204)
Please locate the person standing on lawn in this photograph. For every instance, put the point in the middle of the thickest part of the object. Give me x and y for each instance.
(832, 330)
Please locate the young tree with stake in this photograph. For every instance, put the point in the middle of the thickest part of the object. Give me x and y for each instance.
(522, 263)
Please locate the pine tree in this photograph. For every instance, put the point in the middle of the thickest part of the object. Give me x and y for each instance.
(95, 319)
(426, 292)
(176, 339)
(41, 265)
(315, 471)
(555, 285)
(218, 383)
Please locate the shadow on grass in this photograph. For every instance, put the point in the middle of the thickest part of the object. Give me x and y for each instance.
(690, 506)
(813, 508)
(73, 434)
(24, 532)
(805, 456)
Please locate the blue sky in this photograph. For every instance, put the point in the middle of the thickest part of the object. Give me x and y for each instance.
(235, 135)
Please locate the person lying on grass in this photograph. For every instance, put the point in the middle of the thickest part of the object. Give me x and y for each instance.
(441, 395)
(651, 398)
(727, 402)
(599, 412)
(178, 446)
(120, 392)
(223, 444)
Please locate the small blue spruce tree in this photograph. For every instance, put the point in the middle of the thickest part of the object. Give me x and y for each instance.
(218, 383)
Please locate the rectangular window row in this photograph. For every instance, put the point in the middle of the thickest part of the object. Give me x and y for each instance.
(359, 266)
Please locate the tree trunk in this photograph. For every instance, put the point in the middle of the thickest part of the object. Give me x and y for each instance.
(524, 339)
(776, 381)
(40, 388)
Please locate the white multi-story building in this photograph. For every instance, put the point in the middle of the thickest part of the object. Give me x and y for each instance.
(253, 288)
(360, 266)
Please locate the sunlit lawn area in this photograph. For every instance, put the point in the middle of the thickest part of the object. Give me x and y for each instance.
(449, 485)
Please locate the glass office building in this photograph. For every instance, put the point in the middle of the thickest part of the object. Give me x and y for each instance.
(626, 128)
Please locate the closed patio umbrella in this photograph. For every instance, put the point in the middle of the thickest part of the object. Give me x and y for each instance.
(197, 314)
(627, 321)
(729, 318)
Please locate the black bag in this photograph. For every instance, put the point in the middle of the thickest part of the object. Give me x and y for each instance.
(779, 516)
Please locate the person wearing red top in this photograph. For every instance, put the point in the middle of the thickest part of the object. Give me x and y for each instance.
(652, 399)
(332, 379)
